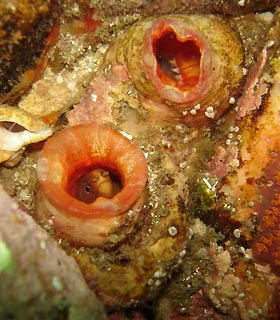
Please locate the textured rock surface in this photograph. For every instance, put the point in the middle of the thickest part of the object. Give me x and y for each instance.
(38, 280)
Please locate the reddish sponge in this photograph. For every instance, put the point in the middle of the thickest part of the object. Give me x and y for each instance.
(266, 248)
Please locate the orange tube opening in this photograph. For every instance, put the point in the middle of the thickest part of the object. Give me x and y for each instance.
(178, 61)
(73, 153)
(90, 177)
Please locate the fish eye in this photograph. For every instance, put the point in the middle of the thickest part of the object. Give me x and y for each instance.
(87, 189)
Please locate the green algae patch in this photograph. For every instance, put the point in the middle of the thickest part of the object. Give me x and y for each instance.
(205, 194)
(6, 258)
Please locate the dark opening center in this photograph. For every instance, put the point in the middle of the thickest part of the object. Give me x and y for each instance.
(178, 61)
(97, 182)
(12, 126)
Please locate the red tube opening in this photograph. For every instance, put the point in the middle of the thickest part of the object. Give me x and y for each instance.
(178, 61)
